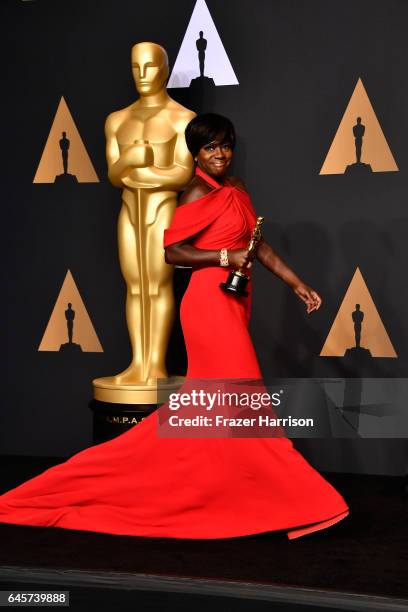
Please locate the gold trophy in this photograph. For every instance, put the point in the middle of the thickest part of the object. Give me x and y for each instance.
(148, 159)
(237, 280)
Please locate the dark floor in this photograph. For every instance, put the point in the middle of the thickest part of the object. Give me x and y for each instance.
(109, 600)
(366, 553)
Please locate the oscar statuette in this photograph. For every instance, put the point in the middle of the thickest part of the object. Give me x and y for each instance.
(149, 162)
(238, 280)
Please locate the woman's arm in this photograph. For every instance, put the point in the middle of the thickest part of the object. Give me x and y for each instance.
(271, 260)
(185, 254)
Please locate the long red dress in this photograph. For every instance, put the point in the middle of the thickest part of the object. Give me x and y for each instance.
(140, 484)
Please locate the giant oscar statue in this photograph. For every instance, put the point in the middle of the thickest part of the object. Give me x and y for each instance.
(148, 158)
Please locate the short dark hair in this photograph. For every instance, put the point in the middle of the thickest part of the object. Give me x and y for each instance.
(206, 128)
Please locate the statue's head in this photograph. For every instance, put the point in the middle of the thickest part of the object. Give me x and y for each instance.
(358, 119)
(357, 306)
(69, 305)
(150, 67)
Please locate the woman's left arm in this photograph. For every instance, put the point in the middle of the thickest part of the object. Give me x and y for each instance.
(275, 264)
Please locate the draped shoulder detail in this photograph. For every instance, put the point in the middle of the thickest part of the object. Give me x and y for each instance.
(190, 219)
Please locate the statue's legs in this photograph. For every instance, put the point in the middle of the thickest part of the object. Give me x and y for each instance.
(65, 161)
(358, 336)
(201, 57)
(162, 308)
(359, 145)
(150, 309)
(70, 325)
(129, 264)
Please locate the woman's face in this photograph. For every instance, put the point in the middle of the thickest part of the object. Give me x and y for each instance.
(215, 158)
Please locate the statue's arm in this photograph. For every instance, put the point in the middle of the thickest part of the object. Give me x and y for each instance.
(173, 177)
(119, 165)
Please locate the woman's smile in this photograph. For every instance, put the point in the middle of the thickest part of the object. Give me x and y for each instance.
(215, 158)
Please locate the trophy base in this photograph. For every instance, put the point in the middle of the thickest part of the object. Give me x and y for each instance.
(358, 168)
(232, 289)
(107, 390)
(66, 179)
(112, 420)
(70, 347)
(117, 407)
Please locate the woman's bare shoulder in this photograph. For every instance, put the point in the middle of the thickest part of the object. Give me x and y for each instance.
(196, 188)
(237, 182)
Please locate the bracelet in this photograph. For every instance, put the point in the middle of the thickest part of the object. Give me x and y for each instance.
(224, 258)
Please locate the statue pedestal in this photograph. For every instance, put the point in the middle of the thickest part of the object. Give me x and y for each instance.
(112, 420)
(66, 179)
(358, 168)
(70, 347)
(117, 408)
(200, 94)
(201, 83)
(358, 353)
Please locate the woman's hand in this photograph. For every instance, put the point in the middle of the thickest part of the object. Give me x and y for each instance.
(239, 258)
(309, 296)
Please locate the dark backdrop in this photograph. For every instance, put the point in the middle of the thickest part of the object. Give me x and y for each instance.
(297, 63)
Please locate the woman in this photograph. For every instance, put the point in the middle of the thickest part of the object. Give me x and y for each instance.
(142, 484)
(216, 236)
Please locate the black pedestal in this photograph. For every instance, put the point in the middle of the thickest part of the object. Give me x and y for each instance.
(112, 420)
(70, 347)
(358, 168)
(358, 356)
(66, 179)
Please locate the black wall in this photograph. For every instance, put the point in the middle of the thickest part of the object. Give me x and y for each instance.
(297, 63)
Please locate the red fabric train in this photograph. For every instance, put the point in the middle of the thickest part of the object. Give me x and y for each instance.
(142, 485)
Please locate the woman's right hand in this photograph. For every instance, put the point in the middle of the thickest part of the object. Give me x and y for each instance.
(239, 258)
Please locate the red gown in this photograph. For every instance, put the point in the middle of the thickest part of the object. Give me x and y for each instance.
(139, 484)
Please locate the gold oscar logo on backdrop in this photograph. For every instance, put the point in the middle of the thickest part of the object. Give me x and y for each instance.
(357, 329)
(359, 146)
(64, 158)
(70, 328)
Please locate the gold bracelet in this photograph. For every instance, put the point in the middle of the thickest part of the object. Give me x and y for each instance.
(224, 258)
